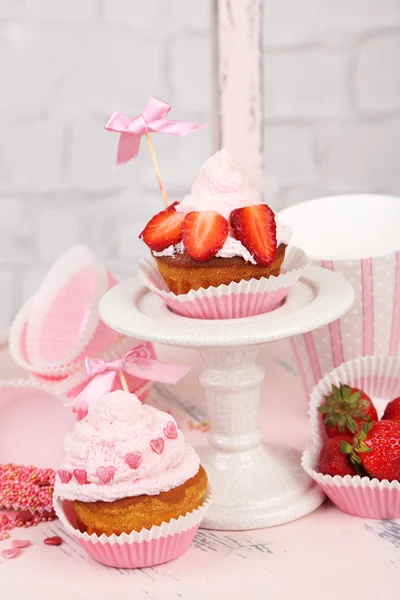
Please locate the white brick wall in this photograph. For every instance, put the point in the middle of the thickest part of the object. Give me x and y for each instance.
(331, 104)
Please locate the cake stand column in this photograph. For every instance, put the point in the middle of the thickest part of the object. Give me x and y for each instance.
(255, 484)
(232, 384)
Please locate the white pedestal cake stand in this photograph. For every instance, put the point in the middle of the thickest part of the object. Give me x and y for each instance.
(255, 484)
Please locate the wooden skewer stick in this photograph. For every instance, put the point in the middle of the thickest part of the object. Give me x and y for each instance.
(157, 170)
(123, 382)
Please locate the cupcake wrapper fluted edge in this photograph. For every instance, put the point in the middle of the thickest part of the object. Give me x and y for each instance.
(145, 548)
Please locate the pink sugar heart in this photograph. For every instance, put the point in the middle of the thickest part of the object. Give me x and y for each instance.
(11, 552)
(134, 459)
(105, 474)
(21, 543)
(64, 476)
(170, 430)
(157, 445)
(81, 476)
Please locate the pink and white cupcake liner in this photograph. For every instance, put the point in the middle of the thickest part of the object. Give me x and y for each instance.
(146, 548)
(60, 324)
(379, 377)
(236, 300)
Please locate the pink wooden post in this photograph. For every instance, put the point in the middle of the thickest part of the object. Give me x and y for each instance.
(238, 118)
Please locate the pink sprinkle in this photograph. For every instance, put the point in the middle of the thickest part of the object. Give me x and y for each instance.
(134, 459)
(21, 543)
(106, 474)
(10, 552)
(170, 430)
(64, 476)
(157, 445)
(53, 541)
(81, 476)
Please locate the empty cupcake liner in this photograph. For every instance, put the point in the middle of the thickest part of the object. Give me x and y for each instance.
(379, 377)
(146, 548)
(236, 300)
(60, 324)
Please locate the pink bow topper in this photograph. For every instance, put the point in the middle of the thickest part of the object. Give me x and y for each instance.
(151, 120)
(137, 362)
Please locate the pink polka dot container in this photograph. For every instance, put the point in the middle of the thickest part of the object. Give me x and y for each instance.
(379, 378)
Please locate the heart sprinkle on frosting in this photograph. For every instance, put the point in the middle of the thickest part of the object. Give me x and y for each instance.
(64, 476)
(106, 474)
(170, 430)
(81, 476)
(134, 459)
(157, 445)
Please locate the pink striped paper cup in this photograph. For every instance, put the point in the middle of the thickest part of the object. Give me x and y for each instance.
(370, 261)
(233, 301)
(145, 548)
(379, 377)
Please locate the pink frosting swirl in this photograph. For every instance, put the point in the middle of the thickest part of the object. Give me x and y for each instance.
(123, 448)
(220, 186)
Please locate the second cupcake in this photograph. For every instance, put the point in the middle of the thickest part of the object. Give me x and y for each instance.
(129, 480)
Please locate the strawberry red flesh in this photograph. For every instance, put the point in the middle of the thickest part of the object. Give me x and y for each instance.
(392, 411)
(377, 449)
(255, 227)
(164, 229)
(345, 410)
(204, 234)
(332, 461)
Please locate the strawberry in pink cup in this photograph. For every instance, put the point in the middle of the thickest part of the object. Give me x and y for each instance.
(362, 475)
(131, 490)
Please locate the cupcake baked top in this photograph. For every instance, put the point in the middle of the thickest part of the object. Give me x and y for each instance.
(219, 190)
(121, 449)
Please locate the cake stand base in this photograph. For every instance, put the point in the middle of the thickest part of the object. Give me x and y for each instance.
(255, 484)
(258, 488)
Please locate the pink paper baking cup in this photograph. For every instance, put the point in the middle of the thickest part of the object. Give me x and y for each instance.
(146, 548)
(236, 300)
(379, 377)
(60, 324)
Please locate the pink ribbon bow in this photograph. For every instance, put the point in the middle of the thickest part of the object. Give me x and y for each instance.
(137, 362)
(151, 120)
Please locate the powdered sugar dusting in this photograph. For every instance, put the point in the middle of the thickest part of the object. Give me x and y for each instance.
(219, 186)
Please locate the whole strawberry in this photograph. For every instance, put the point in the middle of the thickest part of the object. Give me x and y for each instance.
(392, 411)
(377, 448)
(332, 461)
(345, 410)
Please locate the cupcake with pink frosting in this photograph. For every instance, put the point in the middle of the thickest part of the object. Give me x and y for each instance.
(220, 240)
(131, 489)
